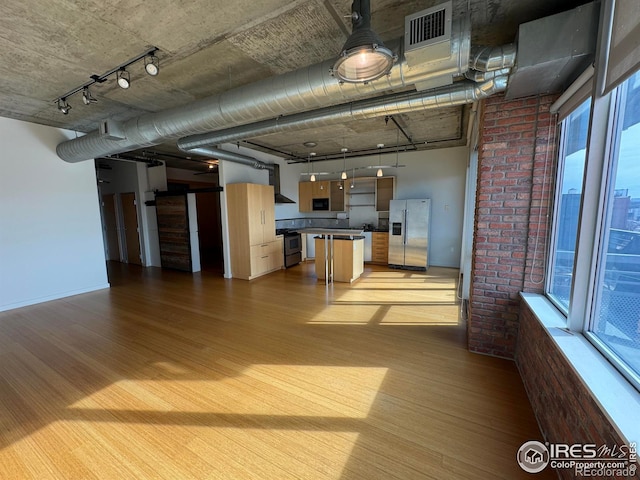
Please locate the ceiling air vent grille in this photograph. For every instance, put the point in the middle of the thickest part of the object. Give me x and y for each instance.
(427, 35)
(427, 27)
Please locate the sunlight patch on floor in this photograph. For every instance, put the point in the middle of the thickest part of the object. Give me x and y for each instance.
(336, 314)
(414, 315)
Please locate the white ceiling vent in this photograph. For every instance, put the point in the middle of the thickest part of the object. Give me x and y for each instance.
(427, 35)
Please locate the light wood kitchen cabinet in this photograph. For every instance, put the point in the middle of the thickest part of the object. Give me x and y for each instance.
(348, 259)
(385, 187)
(307, 191)
(336, 200)
(253, 245)
(380, 247)
(320, 189)
(305, 196)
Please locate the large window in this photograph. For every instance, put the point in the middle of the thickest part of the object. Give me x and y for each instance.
(615, 319)
(603, 304)
(568, 197)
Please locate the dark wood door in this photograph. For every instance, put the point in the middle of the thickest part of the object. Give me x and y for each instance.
(110, 227)
(130, 216)
(173, 232)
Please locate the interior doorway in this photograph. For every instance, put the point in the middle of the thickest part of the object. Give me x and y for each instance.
(110, 227)
(131, 229)
(210, 231)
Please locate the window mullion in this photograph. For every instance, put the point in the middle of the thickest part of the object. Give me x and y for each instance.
(591, 213)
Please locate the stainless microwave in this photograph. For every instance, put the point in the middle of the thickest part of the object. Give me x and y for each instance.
(320, 204)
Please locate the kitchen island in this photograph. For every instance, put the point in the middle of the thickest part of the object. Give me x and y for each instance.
(339, 253)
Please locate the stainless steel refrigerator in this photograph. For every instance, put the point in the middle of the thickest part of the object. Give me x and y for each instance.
(409, 233)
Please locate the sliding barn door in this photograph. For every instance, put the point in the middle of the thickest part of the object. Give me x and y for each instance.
(173, 232)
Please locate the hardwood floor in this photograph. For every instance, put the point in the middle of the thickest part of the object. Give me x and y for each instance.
(171, 375)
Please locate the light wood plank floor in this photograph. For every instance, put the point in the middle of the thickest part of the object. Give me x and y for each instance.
(174, 376)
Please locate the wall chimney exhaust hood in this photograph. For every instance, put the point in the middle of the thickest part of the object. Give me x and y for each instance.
(274, 179)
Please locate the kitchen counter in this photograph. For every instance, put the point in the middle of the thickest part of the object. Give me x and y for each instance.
(332, 231)
(341, 259)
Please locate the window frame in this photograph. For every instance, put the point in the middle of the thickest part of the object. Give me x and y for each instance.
(608, 179)
(552, 254)
(603, 147)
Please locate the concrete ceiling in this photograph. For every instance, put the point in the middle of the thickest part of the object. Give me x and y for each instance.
(206, 47)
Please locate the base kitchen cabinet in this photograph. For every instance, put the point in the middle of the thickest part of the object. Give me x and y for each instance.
(380, 248)
(255, 249)
(348, 259)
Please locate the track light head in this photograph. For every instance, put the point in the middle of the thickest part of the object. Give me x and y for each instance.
(87, 98)
(152, 65)
(124, 79)
(63, 106)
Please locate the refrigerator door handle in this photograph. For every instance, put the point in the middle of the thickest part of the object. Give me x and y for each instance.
(404, 224)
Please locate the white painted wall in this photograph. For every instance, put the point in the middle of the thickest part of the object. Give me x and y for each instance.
(50, 231)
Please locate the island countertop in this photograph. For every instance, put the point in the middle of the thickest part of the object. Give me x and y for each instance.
(332, 231)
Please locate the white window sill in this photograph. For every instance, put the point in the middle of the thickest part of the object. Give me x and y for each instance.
(619, 400)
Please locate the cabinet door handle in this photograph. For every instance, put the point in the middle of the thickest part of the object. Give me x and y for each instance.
(264, 245)
(266, 256)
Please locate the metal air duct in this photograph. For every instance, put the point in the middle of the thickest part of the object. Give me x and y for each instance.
(307, 88)
(458, 94)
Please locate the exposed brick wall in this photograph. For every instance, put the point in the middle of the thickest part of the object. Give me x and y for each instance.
(516, 164)
(565, 409)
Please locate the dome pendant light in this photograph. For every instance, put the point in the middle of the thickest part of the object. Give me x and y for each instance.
(364, 57)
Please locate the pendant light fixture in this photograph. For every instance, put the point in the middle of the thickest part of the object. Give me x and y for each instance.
(364, 57)
(379, 173)
(313, 175)
(343, 176)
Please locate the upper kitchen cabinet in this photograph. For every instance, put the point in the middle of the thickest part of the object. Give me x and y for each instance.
(336, 197)
(321, 189)
(310, 191)
(305, 196)
(252, 230)
(385, 190)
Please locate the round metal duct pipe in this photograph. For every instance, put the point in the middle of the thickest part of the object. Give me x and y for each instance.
(457, 94)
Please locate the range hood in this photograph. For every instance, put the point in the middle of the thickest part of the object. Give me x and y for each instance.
(274, 179)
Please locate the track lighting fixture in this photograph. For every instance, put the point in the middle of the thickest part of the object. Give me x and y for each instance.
(87, 98)
(152, 65)
(124, 79)
(63, 106)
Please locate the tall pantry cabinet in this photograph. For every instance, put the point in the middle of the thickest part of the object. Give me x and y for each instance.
(253, 245)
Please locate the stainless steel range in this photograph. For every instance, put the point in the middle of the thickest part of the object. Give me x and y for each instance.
(292, 247)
